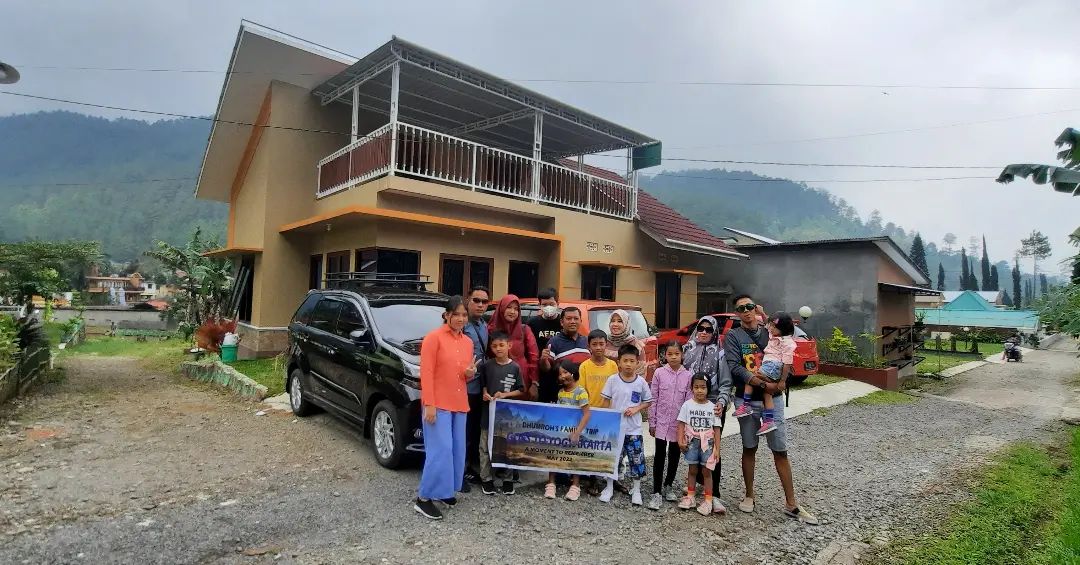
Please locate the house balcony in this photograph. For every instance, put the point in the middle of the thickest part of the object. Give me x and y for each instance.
(409, 150)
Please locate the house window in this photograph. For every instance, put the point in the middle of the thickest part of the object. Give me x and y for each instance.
(337, 262)
(668, 294)
(598, 283)
(524, 278)
(397, 261)
(247, 265)
(315, 272)
(457, 274)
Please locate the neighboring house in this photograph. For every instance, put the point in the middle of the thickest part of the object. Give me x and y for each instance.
(741, 237)
(994, 297)
(406, 161)
(971, 309)
(862, 286)
(105, 290)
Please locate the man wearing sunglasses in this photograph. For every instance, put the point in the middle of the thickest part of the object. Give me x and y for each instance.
(476, 304)
(743, 348)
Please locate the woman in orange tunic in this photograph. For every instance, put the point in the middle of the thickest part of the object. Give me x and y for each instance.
(446, 362)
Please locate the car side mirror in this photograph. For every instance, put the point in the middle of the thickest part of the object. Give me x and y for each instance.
(358, 336)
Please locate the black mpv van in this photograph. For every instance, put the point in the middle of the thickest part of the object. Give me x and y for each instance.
(354, 351)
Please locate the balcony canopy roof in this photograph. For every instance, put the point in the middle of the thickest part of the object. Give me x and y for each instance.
(445, 95)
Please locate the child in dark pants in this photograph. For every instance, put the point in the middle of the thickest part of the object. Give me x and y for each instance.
(670, 389)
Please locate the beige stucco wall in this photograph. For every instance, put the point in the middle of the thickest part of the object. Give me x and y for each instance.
(280, 189)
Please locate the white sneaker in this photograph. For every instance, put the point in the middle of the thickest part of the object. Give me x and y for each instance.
(606, 494)
(635, 498)
(718, 507)
(656, 501)
(670, 494)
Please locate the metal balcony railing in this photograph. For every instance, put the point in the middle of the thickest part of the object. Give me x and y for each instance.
(423, 153)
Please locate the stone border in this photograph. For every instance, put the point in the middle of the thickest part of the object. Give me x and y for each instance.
(217, 373)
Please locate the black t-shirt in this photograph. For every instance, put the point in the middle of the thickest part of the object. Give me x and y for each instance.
(543, 330)
(500, 378)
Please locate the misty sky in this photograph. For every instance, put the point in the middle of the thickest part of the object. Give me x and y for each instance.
(999, 43)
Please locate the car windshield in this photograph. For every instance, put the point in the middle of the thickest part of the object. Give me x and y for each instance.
(598, 319)
(405, 322)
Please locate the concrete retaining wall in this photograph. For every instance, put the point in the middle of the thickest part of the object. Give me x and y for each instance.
(215, 372)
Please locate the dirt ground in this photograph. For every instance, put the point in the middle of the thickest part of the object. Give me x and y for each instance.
(114, 465)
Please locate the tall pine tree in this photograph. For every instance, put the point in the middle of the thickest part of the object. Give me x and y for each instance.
(940, 277)
(995, 284)
(965, 274)
(1044, 285)
(985, 264)
(1006, 299)
(918, 255)
(1017, 297)
(973, 281)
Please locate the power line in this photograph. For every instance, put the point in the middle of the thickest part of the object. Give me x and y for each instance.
(884, 132)
(791, 164)
(170, 114)
(667, 175)
(621, 82)
(103, 183)
(675, 159)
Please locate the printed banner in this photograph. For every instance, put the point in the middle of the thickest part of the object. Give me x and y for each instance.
(536, 437)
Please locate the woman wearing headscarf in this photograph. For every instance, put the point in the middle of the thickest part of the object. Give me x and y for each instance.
(703, 354)
(523, 349)
(620, 334)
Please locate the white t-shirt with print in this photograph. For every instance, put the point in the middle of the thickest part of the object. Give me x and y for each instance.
(623, 395)
(699, 419)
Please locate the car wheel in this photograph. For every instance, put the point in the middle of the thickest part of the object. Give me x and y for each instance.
(797, 379)
(297, 398)
(387, 434)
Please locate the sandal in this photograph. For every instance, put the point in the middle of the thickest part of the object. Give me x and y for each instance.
(802, 515)
(747, 505)
(573, 493)
(549, 490)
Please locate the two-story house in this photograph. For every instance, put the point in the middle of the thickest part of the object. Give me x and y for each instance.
(407, 161)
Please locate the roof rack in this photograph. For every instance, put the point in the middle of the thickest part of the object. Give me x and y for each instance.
(352, 280)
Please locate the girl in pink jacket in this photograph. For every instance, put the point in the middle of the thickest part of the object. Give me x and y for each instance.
(670, 389)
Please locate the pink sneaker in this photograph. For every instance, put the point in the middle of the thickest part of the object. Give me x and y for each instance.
(687, 502)
(743, 411)
(705, 508)
(766, 427)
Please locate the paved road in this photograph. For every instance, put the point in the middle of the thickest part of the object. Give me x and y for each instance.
(119, 466)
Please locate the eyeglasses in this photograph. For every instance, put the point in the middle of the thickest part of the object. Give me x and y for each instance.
(745, 307)
(479, 300)
(706, 329)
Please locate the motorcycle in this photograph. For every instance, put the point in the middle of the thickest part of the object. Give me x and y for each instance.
(1012, 352)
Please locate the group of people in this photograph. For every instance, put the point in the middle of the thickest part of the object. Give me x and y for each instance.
(468, 362)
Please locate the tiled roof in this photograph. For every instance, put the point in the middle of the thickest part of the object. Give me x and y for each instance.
(665, 221)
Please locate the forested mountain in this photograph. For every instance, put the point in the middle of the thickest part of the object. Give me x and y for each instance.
(66, 175)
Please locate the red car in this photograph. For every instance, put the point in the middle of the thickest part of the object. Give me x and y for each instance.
(806, 354)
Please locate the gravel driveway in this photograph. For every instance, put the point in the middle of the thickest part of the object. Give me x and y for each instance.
(118, 466)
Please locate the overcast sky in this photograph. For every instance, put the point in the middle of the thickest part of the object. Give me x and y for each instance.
(999, 43)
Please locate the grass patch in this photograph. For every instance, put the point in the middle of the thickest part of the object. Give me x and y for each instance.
(819, 380)
(267, 372)
(156, 355)
(883, 397)
(1026, 510)
(823, 411)
(937, 362)
(985, 348)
